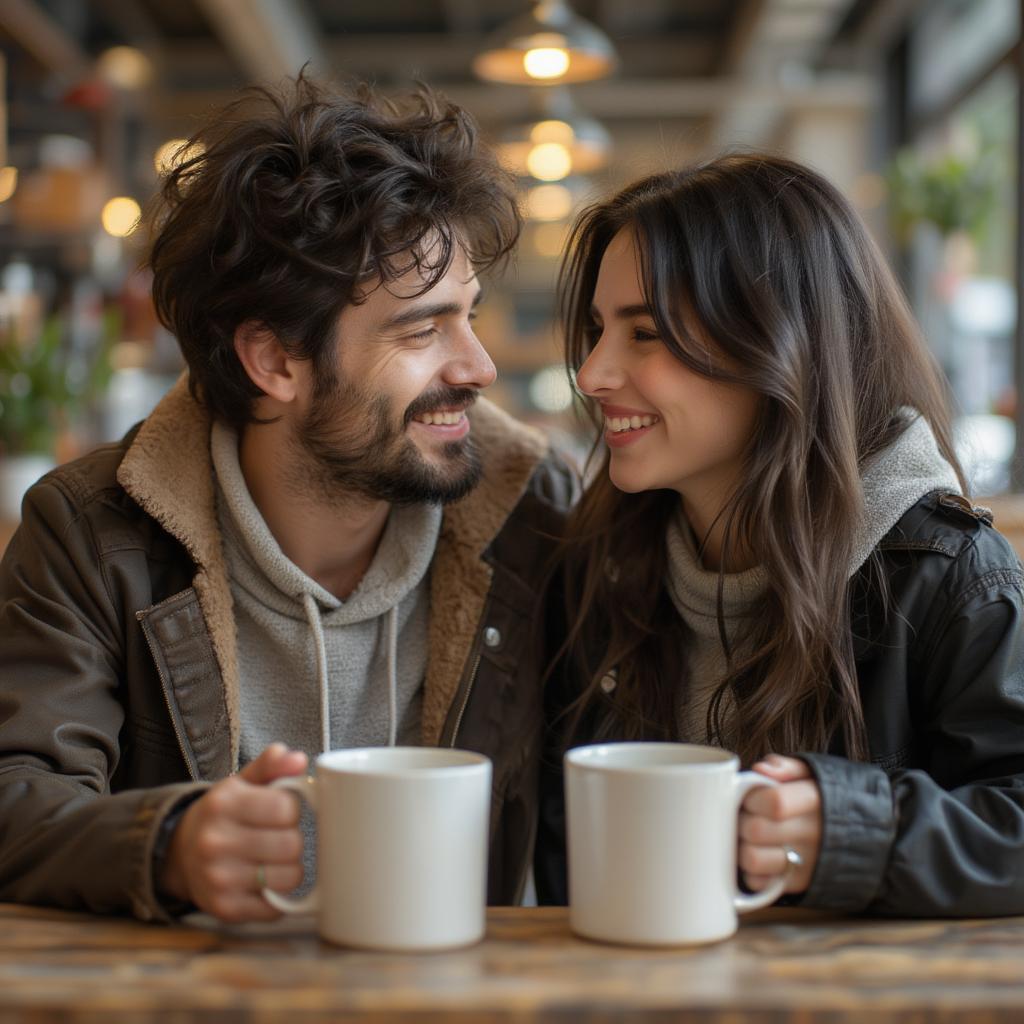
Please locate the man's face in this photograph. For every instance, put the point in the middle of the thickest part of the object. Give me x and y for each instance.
(391, 424)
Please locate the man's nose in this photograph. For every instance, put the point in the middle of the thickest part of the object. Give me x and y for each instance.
(471, 367)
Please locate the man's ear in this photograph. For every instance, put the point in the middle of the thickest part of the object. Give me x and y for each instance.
(265, 361)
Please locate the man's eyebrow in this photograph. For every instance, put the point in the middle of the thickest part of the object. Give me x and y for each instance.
(625, 312)
(428, 311)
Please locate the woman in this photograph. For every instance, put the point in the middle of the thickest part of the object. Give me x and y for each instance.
(776, 555)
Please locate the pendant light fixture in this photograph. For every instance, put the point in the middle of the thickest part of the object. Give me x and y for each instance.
(551, 45)
(555, 141)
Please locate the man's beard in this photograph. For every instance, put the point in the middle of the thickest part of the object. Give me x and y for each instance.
(349, 445)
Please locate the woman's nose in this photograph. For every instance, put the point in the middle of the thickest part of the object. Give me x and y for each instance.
(601, 370)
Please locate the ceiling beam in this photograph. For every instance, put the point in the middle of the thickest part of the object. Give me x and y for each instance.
(442, 57)
(43, 37)
(269, 39)
(774, 48)
(649, 100)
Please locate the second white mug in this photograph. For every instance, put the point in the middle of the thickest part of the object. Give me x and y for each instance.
(652, 843)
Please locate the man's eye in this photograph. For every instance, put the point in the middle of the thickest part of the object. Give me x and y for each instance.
(425, 333)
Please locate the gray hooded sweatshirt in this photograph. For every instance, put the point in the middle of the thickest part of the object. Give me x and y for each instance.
(317, 672)
(893, 481)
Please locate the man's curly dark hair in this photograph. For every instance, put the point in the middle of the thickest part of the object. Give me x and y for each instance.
(292, 199)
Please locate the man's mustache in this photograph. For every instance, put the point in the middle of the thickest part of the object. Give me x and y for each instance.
(442, 398)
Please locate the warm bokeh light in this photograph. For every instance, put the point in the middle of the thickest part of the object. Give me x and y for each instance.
(548, 202)
(550, 161)
(173, 153)
(8, 182)
(550, 389)
(120, 216)
(552, 131)
(548, 240)
(125, 67)
(546, 62)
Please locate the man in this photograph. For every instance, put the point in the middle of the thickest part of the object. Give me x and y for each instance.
(321, 539)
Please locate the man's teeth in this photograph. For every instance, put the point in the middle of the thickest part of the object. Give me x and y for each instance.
(438, 419)
(619, 424)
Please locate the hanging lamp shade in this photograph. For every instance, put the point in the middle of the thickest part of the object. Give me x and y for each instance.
(555, 141)
(550, 45)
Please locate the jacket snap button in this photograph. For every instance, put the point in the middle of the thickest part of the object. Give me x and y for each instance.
(492, 636)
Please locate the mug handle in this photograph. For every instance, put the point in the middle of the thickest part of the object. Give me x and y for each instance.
(305, 789)
(745, 902)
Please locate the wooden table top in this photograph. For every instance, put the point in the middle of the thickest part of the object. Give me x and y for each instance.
(784, 965)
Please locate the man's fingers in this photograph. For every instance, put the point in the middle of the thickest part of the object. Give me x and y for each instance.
(789, 800)
(239, 801)
(279, 877)
(276, 762)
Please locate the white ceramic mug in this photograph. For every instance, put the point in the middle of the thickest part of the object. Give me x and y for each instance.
(652, 843)
(402, 837)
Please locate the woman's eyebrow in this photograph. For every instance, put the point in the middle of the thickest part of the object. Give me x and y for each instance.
(625, 312)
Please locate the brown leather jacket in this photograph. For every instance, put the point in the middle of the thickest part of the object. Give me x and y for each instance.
(118, 671)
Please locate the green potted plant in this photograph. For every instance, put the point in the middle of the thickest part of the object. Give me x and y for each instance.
(950, 192)
(43, 387)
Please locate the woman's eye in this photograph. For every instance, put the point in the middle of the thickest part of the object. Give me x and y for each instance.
(642, 334)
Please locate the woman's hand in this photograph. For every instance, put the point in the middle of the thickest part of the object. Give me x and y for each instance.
(772, 818)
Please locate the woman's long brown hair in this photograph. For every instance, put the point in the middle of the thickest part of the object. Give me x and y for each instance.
(775, 266)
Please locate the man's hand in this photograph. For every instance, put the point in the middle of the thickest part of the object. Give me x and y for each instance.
(232, 831)
(777, 817)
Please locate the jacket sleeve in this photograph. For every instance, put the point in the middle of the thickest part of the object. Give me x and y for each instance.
(65, 840)
(946, 839)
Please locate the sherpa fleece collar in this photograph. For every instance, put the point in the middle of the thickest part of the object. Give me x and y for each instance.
(168, 471)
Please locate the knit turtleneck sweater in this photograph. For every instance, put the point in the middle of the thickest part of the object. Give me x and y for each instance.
(317, 672)
(893, 481)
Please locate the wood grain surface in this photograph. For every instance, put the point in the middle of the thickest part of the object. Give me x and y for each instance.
(783, 966)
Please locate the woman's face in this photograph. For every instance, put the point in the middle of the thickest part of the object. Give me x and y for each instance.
(665, 426)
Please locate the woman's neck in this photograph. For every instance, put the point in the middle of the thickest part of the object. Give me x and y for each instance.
(708, 520)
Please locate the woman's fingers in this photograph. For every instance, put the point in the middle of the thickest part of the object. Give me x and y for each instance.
(783, 769)
(790, 800)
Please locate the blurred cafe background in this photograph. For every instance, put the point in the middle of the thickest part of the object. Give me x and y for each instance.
(912, 107)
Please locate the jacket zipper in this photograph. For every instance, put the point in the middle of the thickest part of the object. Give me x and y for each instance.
(465, 697)
(193, 768)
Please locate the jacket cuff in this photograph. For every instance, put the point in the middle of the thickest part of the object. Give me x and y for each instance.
(145, 901)
(858, 831)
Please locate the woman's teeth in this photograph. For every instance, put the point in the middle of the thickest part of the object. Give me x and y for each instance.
(620, 424)
(438, 419)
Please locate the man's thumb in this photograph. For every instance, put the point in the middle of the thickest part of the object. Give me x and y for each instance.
(275, 761)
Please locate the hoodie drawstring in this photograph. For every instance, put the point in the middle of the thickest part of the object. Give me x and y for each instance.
(313, 617)
(392, 676)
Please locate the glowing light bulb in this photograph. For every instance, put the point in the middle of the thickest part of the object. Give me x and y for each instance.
(552, 131)
(546, 62)
(125, 67)
(120, 216)
(550, 161)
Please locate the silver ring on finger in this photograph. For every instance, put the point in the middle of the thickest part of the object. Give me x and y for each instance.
(793, 859)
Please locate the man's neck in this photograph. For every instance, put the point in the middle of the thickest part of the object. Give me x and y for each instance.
(310, 532)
